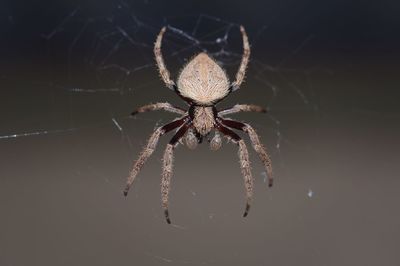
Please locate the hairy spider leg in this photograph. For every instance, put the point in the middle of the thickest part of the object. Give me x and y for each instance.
(256, 143)
(245, 60)
(242, 108)
(159, 106)
(167, 167)
(164, 73)
(149, 149)
(244, 163)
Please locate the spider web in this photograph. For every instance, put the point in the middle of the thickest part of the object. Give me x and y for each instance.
(114, 53)
(108, 60)
(68, 140)
(115, 50)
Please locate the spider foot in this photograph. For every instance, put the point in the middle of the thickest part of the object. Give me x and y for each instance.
(246, 212)
(166, 213)
(125, 192)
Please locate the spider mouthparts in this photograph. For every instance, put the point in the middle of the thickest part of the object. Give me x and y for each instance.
(134, 113)
(125, 193)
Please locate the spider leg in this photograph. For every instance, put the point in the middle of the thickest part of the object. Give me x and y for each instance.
(244, 163)
(159, 106)
(245, 60)
(242, 108)
(149, 148)
(167, 168)
(256, 143)
(164, 73)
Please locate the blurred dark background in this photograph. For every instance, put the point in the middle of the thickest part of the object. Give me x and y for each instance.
(72, 71)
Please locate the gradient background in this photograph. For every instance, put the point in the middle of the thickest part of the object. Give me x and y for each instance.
(334, 148)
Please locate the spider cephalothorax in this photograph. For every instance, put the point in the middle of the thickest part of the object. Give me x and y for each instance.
(201, 84)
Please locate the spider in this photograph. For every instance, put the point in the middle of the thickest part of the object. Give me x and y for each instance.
(202, 84)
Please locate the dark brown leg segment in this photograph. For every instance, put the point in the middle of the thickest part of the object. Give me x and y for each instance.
(244, 163)
(257, 145)
(167, 168)
(149, 148)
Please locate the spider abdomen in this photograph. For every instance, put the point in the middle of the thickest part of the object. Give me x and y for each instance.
(203, 80)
